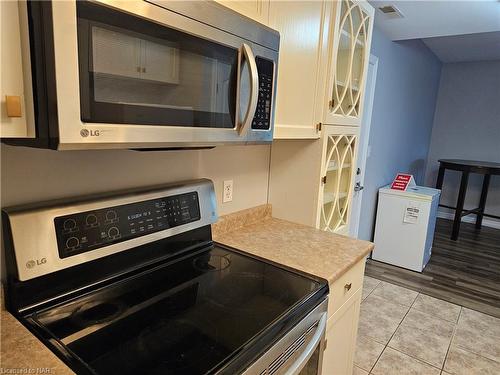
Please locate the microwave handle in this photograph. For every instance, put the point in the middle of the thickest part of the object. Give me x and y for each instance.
(254, 89)
(306, 354)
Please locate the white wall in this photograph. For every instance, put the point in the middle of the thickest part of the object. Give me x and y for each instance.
(31, 175)
(467, 126)
(247, 166)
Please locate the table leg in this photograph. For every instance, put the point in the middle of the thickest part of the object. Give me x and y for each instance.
(482, 200)
(460, 205)
(439, 182)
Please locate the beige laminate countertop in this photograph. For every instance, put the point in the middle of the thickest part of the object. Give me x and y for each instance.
(315, 252)
(253, 231)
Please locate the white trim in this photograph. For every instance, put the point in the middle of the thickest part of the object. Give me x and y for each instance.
(469, 219)
(364, 137)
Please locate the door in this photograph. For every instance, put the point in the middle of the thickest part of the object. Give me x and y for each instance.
(16, 95)
(257, 10)
(137, 72)
(341, 334)
(354, 23)
(340, 145)
(363, 146)
(301, 25)
(136, 75)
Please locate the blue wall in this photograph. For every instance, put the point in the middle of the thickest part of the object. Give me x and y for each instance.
(403, 112)
(467, 126)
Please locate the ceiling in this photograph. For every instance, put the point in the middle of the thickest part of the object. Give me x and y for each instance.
(462, 48)
(427, 19)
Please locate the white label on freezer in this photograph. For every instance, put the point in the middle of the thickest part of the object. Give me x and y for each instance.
(411, 213)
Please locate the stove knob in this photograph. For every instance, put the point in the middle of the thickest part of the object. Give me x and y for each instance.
(111, 215)
(113, 232)
(69, 224)
(72, 242)
(91, 219)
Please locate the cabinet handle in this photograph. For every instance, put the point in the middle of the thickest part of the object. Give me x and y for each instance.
(331, 103)
(138, 69)
(144, 70)
(13, 104)
(348, 287)
(323, 179)
(318, 126)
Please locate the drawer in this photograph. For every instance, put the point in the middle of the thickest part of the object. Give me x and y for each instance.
(342, 289)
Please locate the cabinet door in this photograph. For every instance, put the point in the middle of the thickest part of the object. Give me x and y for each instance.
(341, 333)
(301, 25)
(115, 53)
(16, 107)
(257, 10)
(337, 181)
(159, 62)
(351, 51)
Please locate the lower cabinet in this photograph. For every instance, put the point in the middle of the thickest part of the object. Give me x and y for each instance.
(341, 333)
(342, 326)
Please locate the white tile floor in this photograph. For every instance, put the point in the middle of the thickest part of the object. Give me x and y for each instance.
(403, 332)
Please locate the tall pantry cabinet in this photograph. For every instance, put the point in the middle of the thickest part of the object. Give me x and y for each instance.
(320, 93)
(312, 180)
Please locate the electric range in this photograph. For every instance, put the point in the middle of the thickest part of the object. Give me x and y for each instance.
(132, 282)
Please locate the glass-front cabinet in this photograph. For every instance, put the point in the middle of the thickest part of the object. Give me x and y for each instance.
(348, 68)
(337, 179)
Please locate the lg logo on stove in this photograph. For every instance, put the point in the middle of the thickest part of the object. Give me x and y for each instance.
(37, 262)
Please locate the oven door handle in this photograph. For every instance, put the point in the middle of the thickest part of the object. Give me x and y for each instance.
(299, 364)
(254, 89)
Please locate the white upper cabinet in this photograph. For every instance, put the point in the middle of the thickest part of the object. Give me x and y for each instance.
(258, 10)
(130, 56)
(16, 105)
(353, 22)
(303, 27)
(115, 53)
(324, 52)
(160, 62)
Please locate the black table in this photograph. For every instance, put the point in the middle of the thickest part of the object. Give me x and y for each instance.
(466, 167)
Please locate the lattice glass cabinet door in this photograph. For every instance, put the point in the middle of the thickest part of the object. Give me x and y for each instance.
(337, 182)
(351, 54)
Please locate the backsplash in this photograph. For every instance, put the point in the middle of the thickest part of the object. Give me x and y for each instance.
(31, 175)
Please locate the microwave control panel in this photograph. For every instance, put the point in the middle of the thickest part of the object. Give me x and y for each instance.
(86, 231)
(262, 118)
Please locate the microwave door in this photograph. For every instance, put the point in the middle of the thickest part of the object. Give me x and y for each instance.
(136, 75)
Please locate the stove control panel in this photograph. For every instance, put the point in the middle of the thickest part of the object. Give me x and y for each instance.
(86, 231)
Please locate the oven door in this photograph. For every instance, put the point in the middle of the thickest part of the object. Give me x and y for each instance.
(300, 351)
(131, 74)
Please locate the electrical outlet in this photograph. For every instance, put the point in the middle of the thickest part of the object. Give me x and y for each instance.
(227, 194)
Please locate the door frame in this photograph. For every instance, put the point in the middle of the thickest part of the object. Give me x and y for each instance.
(364, 137)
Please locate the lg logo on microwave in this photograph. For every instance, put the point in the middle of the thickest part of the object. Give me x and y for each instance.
(37, 262)
(89, 133)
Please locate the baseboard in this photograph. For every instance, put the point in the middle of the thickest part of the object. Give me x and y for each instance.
(469, 219)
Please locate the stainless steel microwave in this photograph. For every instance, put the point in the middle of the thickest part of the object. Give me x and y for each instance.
(149, 75)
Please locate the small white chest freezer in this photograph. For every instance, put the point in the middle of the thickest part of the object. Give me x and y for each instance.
(405, 225)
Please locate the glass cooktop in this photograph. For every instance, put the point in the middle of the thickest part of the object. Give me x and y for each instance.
(195, 316)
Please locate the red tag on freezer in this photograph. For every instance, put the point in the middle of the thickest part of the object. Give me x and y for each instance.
(402, 181)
